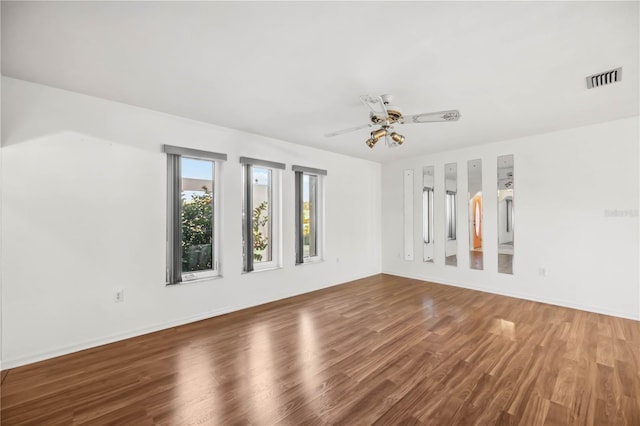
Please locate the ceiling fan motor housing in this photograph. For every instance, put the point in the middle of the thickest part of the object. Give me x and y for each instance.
(393, 115)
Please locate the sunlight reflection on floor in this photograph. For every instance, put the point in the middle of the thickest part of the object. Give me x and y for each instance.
(503, 328)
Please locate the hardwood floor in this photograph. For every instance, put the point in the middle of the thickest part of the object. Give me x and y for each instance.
(381, 350)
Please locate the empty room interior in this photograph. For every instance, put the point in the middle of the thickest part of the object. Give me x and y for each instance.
(331, 213)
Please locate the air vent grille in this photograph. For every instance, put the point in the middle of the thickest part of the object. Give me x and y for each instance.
(604, 78)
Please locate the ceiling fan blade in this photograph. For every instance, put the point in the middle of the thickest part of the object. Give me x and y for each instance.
(350, 129)
(375, 103)
(433, 117)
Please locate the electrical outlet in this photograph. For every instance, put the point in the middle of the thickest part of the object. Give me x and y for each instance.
(118, 295)
(542, 271)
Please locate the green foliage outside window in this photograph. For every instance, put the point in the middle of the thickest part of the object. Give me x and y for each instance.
(197, 219)
(197, 222)
(260, 242)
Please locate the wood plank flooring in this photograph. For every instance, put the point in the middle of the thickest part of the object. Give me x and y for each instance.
(382, 350)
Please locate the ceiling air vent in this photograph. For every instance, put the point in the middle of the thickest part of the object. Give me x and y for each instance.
(604, 78)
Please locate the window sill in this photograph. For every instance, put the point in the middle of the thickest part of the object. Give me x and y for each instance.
(310, 262)
(196, 280)
(273, 268)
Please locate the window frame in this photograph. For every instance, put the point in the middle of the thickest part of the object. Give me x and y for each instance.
(319, 174)
(275, 213)
(174, 273)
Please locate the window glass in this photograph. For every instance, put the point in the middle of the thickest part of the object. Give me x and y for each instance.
(197, 214)
(310, 215)
(260, 217)
(262, 214)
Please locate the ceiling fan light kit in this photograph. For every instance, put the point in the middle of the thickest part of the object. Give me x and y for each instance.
(396, 138)
(385, 115)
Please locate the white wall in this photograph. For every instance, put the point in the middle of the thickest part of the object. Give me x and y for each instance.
(1, 239)
(565, 184)
(84, 208)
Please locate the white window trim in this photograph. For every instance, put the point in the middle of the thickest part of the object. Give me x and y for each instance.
(276, 212)
(215, 272)
(320, 215)
(217, 160)
(319, 257)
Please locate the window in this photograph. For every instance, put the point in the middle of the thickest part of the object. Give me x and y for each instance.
(451, 215)
(192, 237)
(308, 183)
(260, 214)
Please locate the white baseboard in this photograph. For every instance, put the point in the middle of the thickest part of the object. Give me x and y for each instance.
(88, 344)
(556, 302)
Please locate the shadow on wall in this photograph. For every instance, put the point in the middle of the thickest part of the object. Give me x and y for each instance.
(32, 111)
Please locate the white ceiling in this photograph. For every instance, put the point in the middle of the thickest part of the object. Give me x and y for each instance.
(294, 71)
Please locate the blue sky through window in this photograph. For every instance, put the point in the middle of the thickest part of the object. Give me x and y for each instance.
(260, 176)
(201, 169)
(197, 169)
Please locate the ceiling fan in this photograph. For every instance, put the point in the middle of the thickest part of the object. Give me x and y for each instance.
(385, 115)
